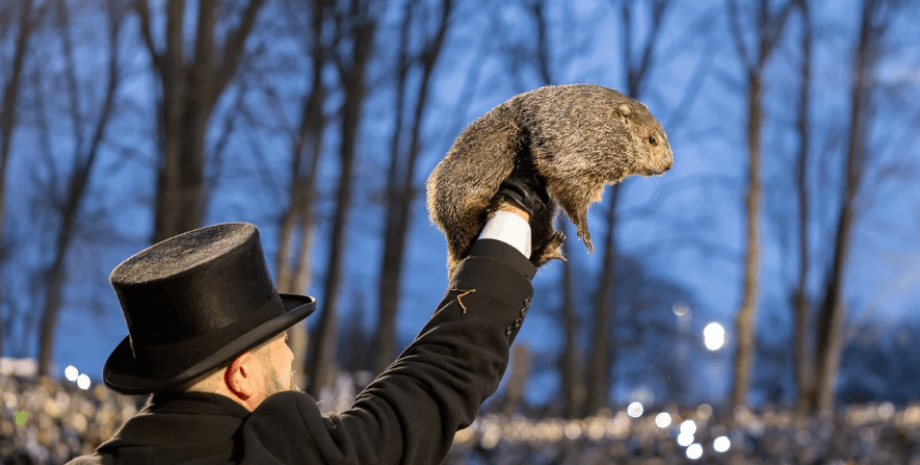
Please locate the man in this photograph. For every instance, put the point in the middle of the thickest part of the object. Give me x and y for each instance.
(206, 337)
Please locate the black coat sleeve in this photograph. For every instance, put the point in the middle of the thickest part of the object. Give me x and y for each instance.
(410, 413)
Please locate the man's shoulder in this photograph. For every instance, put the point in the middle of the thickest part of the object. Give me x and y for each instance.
(289, 404)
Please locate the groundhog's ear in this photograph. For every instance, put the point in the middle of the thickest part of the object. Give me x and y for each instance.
(624, 111)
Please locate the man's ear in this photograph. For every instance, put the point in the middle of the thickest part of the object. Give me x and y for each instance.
(624, 110)
(240, 376)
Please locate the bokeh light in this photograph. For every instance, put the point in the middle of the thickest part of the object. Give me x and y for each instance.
(681, 308)
(643, 395)
(694, 452)
(704, 411)
(490, 434)
(685, 439)
(71, 373)
(572, 431)
(688, 427)
(635, 409)
(83, 382)
(714, 336)
(663, 419)
(721, 444)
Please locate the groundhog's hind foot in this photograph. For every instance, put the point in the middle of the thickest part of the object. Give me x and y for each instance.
(552, 250)
(582, 231)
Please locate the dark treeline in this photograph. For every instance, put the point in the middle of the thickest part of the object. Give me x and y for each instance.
(793, 125)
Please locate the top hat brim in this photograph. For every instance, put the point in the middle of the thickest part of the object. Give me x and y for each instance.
(122, 374)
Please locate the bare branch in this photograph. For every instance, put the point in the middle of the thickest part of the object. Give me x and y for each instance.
(774, 28)
(202, 67)
(678, 114)
(175, 32)
(638, 73)
(626, 22)
(734, 25)
(73, 91)
(233, 48)
(537, 9)
(264, 169)
(114, 78)
(143, 12)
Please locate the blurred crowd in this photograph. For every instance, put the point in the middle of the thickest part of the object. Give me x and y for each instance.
(66, 421)
(878, 434)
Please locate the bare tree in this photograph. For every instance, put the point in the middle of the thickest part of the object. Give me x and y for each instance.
(188, 94)
(875, 16)
(768, 29)
(573, 386)
(293, 268)
(84, 156)
(400, 191)
(602, 355)
(28, 19)
(360, 25)
(803, 368)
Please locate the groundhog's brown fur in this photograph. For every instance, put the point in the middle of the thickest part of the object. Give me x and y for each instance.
(577, 137)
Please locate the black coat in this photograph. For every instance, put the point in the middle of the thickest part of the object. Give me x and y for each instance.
(408, 415)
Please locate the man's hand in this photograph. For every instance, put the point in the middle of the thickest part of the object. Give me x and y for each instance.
(508, 207)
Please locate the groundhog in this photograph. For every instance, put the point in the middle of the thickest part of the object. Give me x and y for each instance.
(574, 138)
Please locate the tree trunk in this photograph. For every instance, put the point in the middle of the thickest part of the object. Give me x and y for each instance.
(292, 264)
(399, 202)
(803, 369)
(84, 160)
(599, 360)
(8, 110)
(385, 339)
(352, 74)
(357, 351)
(189, 92)
(517, 379)
(603, 353)
(744, 321)
(572, 386)
(769, 29)
(830, 320)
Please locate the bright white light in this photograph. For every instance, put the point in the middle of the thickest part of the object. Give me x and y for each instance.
(721, 444)
(688, 427)
(83, 382)
(695, 451)
(634, 410)
(714, 336)
(71, 373)
(684, 439)
(663, 419)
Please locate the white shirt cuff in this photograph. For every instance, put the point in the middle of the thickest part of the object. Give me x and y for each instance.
(510, 229)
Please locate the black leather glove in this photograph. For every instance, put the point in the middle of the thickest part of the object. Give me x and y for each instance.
(526, 189)
(525, 193)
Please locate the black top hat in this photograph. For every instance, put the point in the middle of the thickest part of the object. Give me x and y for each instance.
(194, 302)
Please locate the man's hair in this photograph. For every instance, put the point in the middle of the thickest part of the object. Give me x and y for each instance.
(208, 381)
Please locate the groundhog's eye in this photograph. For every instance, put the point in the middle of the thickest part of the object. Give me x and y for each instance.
(652, 140)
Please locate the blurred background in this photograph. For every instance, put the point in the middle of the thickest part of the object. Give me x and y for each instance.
(756, 304)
